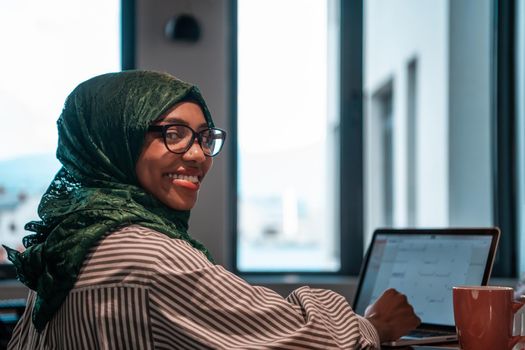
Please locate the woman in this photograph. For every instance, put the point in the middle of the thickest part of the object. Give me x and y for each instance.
(111, 264)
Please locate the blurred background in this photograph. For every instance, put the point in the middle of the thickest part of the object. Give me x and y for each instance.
(342, 117)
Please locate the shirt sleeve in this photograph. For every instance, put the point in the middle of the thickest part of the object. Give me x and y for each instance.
(195, 304)
(370, 337)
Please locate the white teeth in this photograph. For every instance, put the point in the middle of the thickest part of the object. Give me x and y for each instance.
(189, 178)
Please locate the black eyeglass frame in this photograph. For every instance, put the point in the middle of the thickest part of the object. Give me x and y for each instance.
(163, 130)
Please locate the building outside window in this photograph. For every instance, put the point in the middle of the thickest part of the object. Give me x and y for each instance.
(428, 110)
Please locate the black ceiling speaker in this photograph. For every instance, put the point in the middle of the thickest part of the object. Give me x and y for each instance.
(183, 27)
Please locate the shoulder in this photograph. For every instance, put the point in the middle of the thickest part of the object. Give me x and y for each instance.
(147, 242)
(136, 252)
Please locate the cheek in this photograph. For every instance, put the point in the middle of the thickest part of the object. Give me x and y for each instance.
(145, 168)
(142, 172)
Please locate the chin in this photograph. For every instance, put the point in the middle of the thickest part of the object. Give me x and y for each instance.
(180, 205)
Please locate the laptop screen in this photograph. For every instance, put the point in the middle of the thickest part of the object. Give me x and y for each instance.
(425, 265)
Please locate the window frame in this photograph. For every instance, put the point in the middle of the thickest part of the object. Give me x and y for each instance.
(504, 141)
(128, 34)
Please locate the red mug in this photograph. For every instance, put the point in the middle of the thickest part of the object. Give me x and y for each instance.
(484, 317)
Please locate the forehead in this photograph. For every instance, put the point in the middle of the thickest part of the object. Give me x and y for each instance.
(189, 113)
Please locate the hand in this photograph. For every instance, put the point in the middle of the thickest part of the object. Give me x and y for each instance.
(392, 315)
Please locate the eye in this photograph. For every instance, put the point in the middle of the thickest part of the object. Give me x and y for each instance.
(173, 135)
(176, 133)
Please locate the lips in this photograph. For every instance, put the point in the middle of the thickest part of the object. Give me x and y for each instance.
(190, 178)
(190, 182)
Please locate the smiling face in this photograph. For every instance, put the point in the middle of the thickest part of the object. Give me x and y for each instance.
(174, 179)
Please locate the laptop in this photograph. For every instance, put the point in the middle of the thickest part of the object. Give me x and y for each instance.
(424, 264)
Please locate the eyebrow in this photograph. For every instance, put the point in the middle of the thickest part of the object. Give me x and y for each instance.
(171, 120)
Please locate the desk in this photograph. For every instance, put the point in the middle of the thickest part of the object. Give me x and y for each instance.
(447, 346)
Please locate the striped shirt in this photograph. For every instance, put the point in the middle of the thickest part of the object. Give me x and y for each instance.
(132, 295)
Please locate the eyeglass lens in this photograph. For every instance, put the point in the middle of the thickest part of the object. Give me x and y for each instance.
(179, 139)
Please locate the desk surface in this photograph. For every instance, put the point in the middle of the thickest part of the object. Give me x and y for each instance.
(444, 346)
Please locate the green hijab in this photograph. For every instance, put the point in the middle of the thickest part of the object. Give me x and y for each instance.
(100, 136)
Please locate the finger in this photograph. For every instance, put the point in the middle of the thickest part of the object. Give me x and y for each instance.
(391, 291)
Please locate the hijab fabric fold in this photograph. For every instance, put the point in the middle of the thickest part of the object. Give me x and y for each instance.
(101, 133)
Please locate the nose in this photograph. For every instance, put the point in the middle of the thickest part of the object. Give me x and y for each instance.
(195, 153)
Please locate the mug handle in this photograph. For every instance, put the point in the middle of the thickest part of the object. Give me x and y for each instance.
(515, 339)
(516, 305)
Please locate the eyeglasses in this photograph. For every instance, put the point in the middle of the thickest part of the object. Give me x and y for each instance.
(178, 138)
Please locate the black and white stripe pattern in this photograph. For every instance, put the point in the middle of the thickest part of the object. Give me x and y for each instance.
(139, 289)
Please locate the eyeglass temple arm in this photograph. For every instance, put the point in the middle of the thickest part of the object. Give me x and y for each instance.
(158, 128)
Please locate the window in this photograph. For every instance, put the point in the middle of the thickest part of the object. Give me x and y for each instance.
(288, 124)
(426, 126)
(48, 47)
